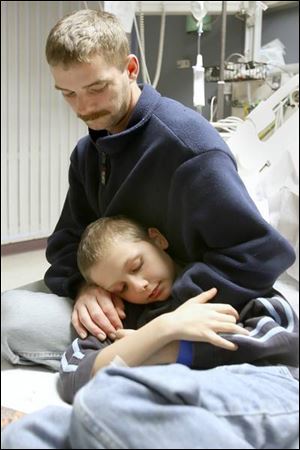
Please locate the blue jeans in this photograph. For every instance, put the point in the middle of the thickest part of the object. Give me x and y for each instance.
(238, 406)
(35, 326)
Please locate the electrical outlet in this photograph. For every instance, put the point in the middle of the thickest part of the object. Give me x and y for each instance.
(183, 64)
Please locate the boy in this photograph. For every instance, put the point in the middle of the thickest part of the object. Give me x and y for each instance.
(127, 260)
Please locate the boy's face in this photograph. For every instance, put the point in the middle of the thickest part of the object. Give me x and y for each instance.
(139, 272)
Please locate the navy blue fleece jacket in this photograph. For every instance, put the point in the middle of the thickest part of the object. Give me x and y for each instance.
(170, 169)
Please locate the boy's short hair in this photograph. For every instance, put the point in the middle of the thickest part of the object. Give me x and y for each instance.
(98, 237)
(79, 36)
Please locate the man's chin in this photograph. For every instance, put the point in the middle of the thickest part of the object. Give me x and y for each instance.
(97, 124)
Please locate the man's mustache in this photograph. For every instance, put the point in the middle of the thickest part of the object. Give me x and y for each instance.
(93, 116)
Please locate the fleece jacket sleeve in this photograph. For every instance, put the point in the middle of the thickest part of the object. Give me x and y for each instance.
(233, 248)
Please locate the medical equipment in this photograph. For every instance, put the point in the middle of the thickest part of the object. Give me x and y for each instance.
(266, 148)
(199, 11)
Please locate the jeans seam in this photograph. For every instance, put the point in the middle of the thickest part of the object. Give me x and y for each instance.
(261, 413)
(97, 429)
(42, 356)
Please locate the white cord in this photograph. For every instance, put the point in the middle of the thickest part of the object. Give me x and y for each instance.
(161, 46)
(235, 54)
(227, 126)
(212, 112)
(142, 38)
(147, 80)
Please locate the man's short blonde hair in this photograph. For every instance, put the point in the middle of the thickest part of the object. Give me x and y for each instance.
(100, 235)
(79, 36)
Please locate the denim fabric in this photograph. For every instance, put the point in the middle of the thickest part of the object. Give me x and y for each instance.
(48, 428)
(238, 406)
(35, 326)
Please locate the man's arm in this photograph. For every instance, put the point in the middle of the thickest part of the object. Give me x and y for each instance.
(214, 224)
(63, 277)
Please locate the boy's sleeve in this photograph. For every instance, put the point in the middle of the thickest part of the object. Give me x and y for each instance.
(76, 365)
(273, 339)
(185, 354)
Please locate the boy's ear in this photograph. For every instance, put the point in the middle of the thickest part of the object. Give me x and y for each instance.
(158, 238)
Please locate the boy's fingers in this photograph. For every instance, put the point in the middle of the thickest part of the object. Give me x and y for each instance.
(206, 295)
(218, 341)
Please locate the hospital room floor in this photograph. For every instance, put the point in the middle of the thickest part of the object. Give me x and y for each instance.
(22, 268)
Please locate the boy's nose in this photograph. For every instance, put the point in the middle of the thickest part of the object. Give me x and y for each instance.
(141, 285)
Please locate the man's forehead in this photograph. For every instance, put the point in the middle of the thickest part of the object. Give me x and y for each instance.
(81, 74)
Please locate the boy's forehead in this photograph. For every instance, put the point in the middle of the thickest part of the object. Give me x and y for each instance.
(119, 257)
(121, 247)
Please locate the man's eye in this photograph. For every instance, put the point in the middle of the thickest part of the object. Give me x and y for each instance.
(98, 90)
(68, 94)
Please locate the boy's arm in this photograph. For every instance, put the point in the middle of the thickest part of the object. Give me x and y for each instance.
(152, 342)
(157, 341)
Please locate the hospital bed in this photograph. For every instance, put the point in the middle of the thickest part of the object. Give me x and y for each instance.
(266, 149)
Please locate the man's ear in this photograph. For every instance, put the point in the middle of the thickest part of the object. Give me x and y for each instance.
(158, 238)
(133, 67)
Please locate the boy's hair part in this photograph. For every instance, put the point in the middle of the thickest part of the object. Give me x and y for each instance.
(81, 35)
(99, 236)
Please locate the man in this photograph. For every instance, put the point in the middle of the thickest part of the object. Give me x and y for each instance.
(154, 160)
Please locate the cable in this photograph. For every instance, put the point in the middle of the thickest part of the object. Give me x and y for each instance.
(147, 78)
(227, 126)
(235, 54)
(142, 38)
(212, 112)
(160, 46)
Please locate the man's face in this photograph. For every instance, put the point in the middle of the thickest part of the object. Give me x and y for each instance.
(97, 92)
(139, 272)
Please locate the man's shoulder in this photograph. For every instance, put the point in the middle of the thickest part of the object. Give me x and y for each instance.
(188, 126)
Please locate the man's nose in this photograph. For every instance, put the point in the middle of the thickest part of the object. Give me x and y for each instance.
(82, 106)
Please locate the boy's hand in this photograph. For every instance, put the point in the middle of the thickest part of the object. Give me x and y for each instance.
(98, 312)
(197, 320)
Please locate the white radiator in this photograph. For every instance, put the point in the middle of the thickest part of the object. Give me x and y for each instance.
(38, 130)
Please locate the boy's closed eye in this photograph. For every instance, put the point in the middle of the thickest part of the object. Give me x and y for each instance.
(137, 266)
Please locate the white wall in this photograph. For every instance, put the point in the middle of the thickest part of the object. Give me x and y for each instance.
(38, 130)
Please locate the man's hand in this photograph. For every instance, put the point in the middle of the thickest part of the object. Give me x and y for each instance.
(98, 312)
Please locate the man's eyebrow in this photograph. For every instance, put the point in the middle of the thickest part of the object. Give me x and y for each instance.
(84, 87)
